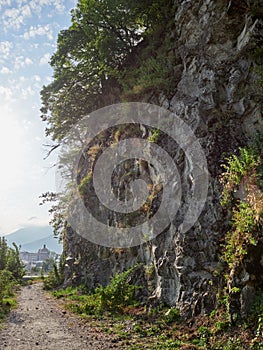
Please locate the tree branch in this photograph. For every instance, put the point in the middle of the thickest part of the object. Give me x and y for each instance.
(53, 147)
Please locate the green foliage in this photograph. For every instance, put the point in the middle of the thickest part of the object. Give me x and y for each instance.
(6, 284)
(153, 74)
(232, 344)
(10, 261)
(119, 292)
(90, 54)
(48, 265)
(172, 316)
(221, 326)
(14, 264)
(243, 173)
(11, 273)
(3, 253)
(236, 169)
(84, 186)
(241, 235)
(154, 136)
(256, 319)
(204, 335)
(244, 231)
(112, 298)
(110, 51)
(56, 275)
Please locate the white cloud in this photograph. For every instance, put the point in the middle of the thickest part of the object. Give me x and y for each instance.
(4, 3)
(6, 93)
(5, 70)
(34, 46)
(28, 61)
(5, 48)
(39, 30)
(58, 4)
(16, 16)
(37, 78)
(25, 93)
(45, 59)
(26, 11)
(21, 61)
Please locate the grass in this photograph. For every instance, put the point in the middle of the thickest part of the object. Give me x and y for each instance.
(9, 300)
(134, 327)
(8, 303)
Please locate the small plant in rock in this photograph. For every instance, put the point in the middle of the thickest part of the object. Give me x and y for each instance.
(154, 137)
(243, 198)
(240, 236)
(84, 186)
(172, 315)
(237, 169)
(204, 335)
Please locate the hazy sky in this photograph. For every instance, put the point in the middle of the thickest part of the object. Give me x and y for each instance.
(28, 36)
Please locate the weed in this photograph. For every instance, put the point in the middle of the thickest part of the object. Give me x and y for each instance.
(172, 316)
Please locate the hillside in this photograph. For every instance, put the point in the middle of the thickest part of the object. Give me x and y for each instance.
(34, 237)
(50, 242)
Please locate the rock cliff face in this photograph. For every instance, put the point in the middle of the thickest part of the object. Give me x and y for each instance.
(213, 46)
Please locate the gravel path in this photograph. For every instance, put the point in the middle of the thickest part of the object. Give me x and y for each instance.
(39, 323)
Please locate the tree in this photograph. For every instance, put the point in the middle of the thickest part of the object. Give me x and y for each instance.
(48, 264)
(11, 269)
(14, 263)
(91, 64)
(90, 54)
(3, 253)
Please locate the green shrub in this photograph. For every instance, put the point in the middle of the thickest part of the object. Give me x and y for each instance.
(116, 295)
(152, 74)
(244, 230)
(84, 186)
(240, 236)
(56, 275)
(243, 172)
(119, 292)
(172, 315)
(11, 273)
(236, 169)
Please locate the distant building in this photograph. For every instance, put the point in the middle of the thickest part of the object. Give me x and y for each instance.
(42, 255)
(28, 257)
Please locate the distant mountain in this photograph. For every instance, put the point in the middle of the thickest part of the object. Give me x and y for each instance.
(50, 242)
(32, 238)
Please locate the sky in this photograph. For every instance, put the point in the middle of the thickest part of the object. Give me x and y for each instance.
(28, 36)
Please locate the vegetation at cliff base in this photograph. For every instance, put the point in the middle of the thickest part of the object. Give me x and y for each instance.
(11, 273)
(114, 310)
(242, 196)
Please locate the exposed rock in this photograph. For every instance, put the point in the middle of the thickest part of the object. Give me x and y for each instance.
(246, 300)
(215, 95)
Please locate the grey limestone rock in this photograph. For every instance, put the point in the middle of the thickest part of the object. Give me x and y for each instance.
(216, 97)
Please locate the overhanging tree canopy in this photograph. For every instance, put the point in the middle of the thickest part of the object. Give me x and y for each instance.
(89, 56)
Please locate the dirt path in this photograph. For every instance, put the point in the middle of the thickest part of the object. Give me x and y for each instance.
(39, 323)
